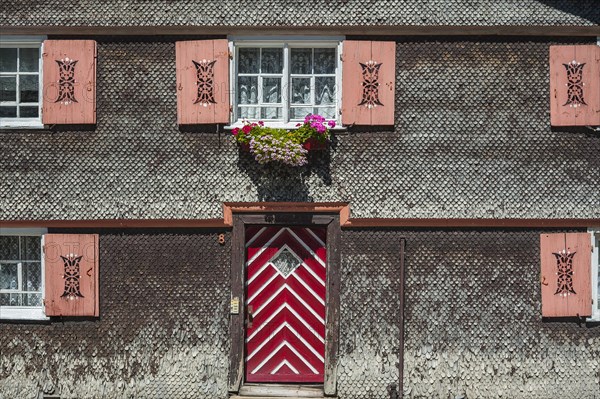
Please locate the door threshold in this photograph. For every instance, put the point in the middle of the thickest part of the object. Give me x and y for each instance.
(275, 391)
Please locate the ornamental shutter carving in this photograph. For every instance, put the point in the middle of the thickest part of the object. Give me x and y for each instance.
(69, 90)
(566, 276)
(369, 79)
(575, 85)
(202, 81)
(71, 274)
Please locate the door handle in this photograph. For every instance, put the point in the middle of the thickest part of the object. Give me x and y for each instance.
(249, 316)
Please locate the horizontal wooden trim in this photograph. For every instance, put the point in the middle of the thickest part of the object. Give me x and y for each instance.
(117, 223)
(533, 223)
(341, 208)
(403, 30)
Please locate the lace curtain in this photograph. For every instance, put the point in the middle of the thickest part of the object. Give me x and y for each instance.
(257, 62)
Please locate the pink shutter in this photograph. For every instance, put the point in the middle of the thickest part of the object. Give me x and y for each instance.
(566, 275)
(575, 85)
(69, 95)
(202, 82)
(71, 274)
(369, 79)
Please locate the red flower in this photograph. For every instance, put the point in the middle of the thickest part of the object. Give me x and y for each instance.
(247, 129)
(235, 131)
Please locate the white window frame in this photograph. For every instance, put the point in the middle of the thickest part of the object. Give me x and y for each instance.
(26, 312)
(21, 42)
(286, 42)
(595, 233)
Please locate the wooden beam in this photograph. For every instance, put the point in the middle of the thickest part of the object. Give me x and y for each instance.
(341, 208)
(117, 223)
(236, 351)
(332, 326)
(401, 321)
(386, 30)
(451, 223)
(324, 208)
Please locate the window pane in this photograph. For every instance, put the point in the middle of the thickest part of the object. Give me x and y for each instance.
(8, 112)
(248, 113)
(29, 59)
(248, 60)
(32, 299)
(272, 60)
(247, 90)
(301, 60)
(271, 113)
(300, 113)
(272, 90)
(325, 60)
(301, 91)
(8, 60)
(325, 88)
(8, 88)
(9, 279)
(28, 88)
(20, 299)
(32, 276)
(327, 113)
(9, 248)
(30, 248)
(10, 300)
(28, 112)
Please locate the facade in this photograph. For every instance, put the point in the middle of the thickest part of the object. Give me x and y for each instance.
(444, 244)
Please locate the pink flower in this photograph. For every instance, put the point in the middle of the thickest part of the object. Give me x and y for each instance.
(235, 131)
(261, 123)
(247, 129)
(298, 124)
(331, 123)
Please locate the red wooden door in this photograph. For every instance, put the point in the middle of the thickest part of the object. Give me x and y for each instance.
(285, 303)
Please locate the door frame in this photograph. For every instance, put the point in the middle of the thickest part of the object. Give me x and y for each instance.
(332, 302)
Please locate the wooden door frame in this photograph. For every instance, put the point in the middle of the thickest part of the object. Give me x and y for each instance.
(332, 306)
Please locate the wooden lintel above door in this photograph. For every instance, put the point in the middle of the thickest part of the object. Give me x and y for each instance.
(341, 208)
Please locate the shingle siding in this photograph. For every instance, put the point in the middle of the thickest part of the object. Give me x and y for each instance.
(472, 322)
(314, 13)
(472, 139)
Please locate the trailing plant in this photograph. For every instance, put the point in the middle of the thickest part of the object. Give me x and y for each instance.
(269, 144)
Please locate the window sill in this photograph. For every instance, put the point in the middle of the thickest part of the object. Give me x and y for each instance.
(281, 125)
(22, 313)
(595, 318)
(21, 125)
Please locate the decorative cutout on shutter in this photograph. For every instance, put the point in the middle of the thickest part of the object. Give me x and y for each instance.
(369, 79)
(575, 85)
(69, 90)
(71, 274)
(202, 82)
(565, 274)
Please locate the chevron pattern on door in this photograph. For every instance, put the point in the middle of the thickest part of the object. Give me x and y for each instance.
(285, 287)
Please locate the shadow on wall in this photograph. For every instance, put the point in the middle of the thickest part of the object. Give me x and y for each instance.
(276, 182)
(587, 9)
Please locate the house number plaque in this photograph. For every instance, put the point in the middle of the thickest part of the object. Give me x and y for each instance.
(235, 306)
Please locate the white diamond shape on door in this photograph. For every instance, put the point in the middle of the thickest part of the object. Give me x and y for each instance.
(286, 261)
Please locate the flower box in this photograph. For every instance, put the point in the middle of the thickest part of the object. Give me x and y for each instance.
(310, 145)
(288, 147)
(315, 145)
